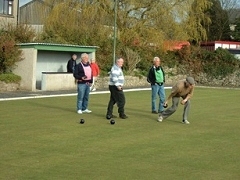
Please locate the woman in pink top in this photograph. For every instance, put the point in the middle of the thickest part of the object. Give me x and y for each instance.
(95, 73)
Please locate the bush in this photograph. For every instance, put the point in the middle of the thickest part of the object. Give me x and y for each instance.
(220, 63)
(10, 78)
(11, 34)
(20, 33)
(9, 53)
(170, 59)
(216, 64)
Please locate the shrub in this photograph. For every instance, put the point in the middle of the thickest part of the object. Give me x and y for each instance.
(11, 34)
(170, 59)
(9, 53)
(220, 63)
(216, 64)
(20, 33)
(10, 78)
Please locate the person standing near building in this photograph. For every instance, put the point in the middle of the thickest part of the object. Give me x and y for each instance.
(156, 77)
(95, 73)
(116, 83)
(71, 64)
(83, 76)
(184, 89)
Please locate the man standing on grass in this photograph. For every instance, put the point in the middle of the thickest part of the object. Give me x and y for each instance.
(156, 77)
(116, 90)
(184, 89)
(83, 76)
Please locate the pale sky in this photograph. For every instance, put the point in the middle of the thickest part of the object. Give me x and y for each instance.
(22, 2)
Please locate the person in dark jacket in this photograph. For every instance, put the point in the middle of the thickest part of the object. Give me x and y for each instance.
(71, 64)
(156, 77)
(84, 78)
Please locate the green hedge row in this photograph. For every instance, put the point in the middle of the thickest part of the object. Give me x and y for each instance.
(10, 78)
(194, 60)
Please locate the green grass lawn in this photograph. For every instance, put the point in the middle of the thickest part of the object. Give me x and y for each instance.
(42, 139)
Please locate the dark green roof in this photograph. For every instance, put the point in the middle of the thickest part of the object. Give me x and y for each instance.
(59, 47)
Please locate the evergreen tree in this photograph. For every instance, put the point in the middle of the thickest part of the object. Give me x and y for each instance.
(219, 27)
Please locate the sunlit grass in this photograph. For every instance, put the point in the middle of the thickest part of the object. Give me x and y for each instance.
(42, 139)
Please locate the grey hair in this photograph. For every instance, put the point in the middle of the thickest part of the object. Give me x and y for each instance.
(155, 58)
(84, 55)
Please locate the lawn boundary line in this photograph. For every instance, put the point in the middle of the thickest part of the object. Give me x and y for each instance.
(71, 94)
(30, 96)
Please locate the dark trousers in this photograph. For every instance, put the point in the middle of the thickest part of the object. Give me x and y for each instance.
(116, 96)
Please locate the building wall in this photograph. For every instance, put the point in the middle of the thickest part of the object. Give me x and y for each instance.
(50, 61)
(29, 13)
(5, 19)
(56, 81)
(211, 46)
(26, 69)
(235, 52)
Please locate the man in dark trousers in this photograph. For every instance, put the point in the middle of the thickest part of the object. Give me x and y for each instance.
(116, 83)
(71, 64)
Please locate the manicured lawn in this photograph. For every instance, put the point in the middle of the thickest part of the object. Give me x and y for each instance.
(42, 139)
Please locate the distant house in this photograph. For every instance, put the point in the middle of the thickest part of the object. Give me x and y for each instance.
(30, 14)
(8, 12)
(231, 46)
(34, 12)
(213, 45)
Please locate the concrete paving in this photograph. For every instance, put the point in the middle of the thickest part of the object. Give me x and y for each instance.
(10, 95)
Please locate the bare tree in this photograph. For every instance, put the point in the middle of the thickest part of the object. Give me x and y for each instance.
(132, 59)
(233, 8)
(138, 22)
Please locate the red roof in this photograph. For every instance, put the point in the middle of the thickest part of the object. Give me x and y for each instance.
(175, 45)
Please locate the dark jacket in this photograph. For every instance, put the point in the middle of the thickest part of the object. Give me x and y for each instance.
(71, 65)
(79, 74)
(151, 78)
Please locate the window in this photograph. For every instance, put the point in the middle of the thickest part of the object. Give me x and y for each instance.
(6, 7)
